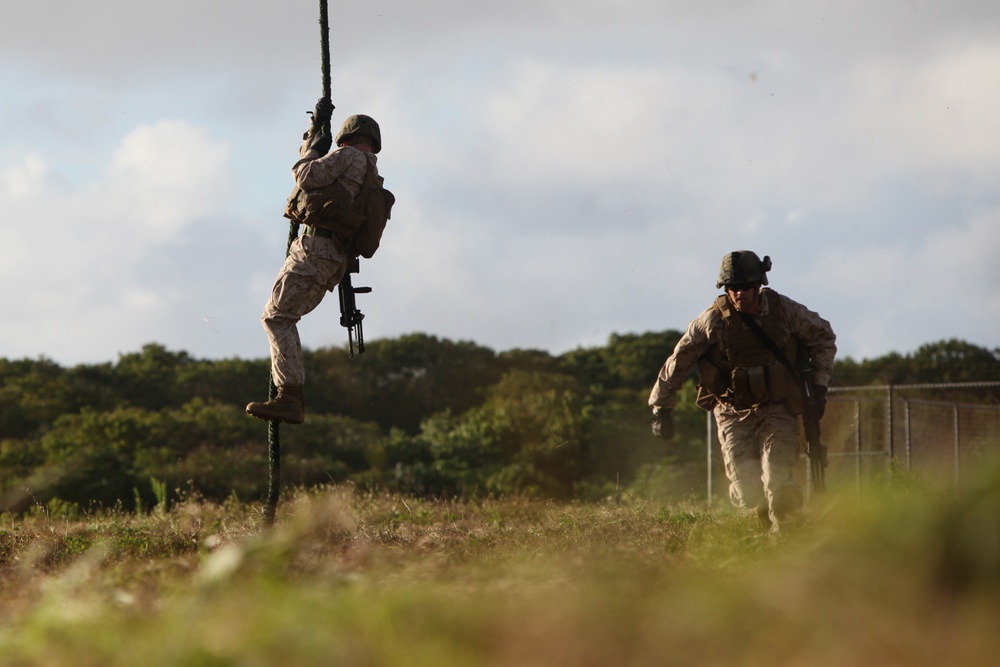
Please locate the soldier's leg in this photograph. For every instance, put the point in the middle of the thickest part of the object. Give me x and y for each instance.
(779, 455)
(303, 281)
(741, 454)
(292, 297)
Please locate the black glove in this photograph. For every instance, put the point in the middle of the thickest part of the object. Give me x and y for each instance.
(322, 114)
(318, 141)
(316, 138)
(663, 424)
(819, 395)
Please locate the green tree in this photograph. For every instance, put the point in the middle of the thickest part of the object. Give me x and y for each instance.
(228, 381)
(529, 436)
(148, 378)
(33, 393)
(90, 456)
(414, 376)
(955, 361)
(943, 361)
(627, 361)
(417, 413)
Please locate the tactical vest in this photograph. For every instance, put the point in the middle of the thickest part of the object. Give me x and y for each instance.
(356, 222)
(742, 371)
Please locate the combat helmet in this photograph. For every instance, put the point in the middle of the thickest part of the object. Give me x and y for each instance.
(743, 266)
(363, 125)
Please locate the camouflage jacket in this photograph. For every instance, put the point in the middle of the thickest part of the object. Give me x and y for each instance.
(346, 164)
(707, 330)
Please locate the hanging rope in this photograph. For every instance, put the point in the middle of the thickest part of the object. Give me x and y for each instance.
(324, 44)
(273, 436)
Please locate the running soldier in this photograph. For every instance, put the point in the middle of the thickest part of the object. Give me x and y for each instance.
(754, 396)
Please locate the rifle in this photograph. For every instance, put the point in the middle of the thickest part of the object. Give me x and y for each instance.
(815, 449)
(350, 316)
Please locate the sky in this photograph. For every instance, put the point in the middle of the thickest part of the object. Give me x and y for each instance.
(564, 170)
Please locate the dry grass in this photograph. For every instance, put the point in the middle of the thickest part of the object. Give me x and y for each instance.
(902, 577)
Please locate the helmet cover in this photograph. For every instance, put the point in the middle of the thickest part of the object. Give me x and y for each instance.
(742, 267)
(359, 124)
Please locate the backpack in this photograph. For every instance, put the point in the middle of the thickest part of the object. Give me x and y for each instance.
(357, 224)
(375, 204)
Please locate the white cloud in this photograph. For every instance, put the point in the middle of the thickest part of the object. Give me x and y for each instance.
(963, 262)
(76, 250)
(564, 169)
(897, 299)
(163, 178)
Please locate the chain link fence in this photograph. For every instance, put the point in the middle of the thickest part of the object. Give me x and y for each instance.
(939, 432)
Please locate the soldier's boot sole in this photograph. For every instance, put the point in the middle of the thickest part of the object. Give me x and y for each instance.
(277, 410)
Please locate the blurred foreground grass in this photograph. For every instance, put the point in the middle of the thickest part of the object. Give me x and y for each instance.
(906, 575)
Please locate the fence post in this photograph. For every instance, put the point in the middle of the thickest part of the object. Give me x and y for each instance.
(708, 452)
(857, 443)
(958, 453)
(892, 448)
(907, 423)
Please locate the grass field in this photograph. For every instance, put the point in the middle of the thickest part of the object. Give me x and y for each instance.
(906, 575)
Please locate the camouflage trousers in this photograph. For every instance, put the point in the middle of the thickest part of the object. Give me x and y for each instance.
(314, 266)
(760, 448)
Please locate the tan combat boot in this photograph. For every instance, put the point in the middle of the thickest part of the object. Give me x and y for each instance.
(288, 406)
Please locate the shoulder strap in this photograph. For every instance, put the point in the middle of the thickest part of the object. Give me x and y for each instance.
(368, 183)
(721, 304)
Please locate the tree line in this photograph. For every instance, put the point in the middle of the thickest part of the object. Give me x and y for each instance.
(417, 414)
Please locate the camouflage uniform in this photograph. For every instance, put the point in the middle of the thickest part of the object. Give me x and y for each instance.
(760, 442)
(315, 264)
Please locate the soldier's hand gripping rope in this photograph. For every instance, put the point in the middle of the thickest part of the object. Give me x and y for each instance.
(318, 135)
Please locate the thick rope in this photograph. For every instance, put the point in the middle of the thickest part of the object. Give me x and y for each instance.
(273, 436)
(324, 42)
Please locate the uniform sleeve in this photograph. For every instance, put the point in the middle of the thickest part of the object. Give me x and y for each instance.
(693, 344)
(816, 334)
(313, 172)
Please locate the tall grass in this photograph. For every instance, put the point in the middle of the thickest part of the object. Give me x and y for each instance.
(906, 575)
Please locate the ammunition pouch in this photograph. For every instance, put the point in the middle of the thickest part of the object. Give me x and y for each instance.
(713, 384)
(745, 387)
(356, 222)
(751, 367)
(330, 207)
(749, 386)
